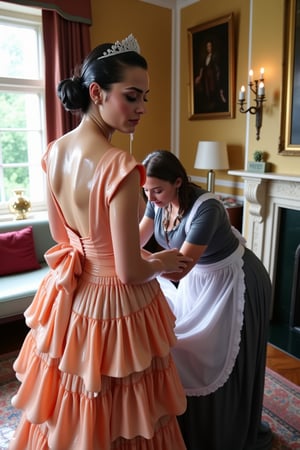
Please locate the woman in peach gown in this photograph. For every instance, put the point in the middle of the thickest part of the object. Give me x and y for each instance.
(95, 368)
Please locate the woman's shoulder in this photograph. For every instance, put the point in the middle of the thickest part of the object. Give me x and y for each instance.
(122, 161)
(198, 195)
(203, 200)
(116, 155)
(115, 165)
(198, 191)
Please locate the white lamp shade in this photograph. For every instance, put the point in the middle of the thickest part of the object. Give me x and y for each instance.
(211, 155)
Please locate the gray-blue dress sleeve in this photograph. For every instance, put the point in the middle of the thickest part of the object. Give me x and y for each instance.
(150, 210)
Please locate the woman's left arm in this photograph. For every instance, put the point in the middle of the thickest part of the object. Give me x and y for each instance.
(194, 252)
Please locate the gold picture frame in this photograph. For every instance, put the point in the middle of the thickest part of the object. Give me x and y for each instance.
(212, 69)
(289, 142)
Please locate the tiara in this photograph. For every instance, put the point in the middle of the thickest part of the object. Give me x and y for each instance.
(129, 44)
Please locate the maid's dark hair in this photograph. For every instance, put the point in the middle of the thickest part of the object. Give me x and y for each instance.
(166, 166)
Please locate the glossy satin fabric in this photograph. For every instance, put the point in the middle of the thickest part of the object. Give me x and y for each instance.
(95, 369)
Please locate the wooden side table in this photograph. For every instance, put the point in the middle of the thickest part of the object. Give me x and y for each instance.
(235, 213)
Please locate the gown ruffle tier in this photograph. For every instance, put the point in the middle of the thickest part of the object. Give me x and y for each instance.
(95, 368)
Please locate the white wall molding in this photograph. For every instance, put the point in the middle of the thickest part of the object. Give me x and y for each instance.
(267, 194)
(163, 3)
(220, 182)
(171, 4)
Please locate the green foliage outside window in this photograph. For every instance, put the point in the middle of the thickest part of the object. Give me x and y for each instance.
(22, 127)
(13, 142)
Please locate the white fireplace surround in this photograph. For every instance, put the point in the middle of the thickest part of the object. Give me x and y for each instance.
(265, 195)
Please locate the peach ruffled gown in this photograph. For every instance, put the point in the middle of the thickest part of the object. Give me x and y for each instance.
(95, 368)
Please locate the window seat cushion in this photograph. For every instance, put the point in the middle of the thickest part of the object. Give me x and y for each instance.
(18, 290)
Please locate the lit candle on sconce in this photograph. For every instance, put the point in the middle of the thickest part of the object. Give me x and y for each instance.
(257, 87)
(250, 76)
(262, 72)
(261, 89)
(242, 93)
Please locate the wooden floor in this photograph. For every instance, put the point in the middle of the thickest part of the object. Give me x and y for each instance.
(284, 364)
(12, 335)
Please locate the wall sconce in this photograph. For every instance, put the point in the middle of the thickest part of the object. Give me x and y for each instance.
(211, 155)
(258, 88)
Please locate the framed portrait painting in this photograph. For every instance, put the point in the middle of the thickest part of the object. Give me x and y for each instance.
(289, 143)
(212, 69)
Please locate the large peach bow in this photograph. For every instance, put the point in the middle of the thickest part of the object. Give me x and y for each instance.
(66, 261)
(51, 309)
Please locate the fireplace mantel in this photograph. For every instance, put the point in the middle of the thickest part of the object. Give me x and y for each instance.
(265, 176)
(267, 199)
(265, 194)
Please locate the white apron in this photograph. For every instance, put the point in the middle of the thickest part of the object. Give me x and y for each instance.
(208, 305)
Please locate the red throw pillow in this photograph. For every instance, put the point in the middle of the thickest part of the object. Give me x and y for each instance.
(17, 252)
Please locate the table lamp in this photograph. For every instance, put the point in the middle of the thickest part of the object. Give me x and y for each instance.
(211, 155)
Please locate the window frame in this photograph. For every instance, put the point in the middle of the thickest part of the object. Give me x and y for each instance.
(22, 15)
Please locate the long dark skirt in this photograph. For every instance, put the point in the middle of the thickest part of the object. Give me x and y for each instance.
(230, 418)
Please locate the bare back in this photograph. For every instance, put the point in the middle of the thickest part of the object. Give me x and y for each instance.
(73, 162)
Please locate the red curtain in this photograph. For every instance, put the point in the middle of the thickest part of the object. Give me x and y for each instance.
(66, 45)
(74, 10)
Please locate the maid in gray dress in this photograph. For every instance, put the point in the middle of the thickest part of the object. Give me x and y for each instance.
(221, 303)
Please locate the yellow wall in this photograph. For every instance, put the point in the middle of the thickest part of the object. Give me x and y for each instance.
(261, 46)
(232, 131)
(152, 26)
(267, 50)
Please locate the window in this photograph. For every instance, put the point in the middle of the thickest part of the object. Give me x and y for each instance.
(22, 106)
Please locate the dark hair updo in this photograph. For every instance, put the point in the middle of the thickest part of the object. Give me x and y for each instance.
(74, 92)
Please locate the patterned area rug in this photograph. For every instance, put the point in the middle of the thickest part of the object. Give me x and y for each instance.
(9, 416)
(282, 411)
(281, 407)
